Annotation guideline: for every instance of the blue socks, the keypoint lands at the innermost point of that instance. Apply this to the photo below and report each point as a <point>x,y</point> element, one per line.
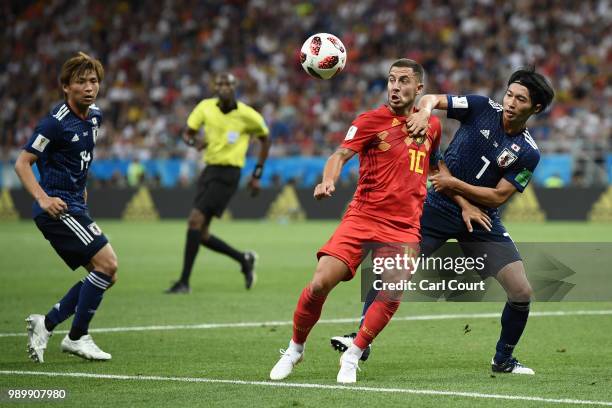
<point>513,322</point>
<point>64,308</point>
<point>90,297</point>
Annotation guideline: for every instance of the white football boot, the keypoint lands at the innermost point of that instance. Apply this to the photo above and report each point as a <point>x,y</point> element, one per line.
<point>38,337</point>
<point>349,364</point>
<point>289,359</point>
<point>84,348</point>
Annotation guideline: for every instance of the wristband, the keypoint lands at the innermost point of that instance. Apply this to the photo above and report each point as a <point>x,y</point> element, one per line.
<point>258,171</point>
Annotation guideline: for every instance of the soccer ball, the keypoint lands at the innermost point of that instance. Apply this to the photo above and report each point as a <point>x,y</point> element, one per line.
<point>323,55</point>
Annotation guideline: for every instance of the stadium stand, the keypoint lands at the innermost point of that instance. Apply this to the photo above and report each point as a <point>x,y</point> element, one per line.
<point>159,61</point>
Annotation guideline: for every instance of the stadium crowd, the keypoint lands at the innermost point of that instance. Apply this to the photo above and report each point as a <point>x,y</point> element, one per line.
<point>160,58</point>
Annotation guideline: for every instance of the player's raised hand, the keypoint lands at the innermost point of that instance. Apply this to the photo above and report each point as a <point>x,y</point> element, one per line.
<point>324,189</point>
<point>471,213</point>
<point>53,206</point>
<point>418,123</point>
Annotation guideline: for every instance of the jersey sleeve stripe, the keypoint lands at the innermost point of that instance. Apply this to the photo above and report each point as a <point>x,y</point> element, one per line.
<point>530,140</point>
<point>62,112</point>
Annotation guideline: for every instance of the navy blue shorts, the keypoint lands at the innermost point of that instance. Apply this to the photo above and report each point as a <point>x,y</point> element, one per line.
<point>437,227</point>
<point>75,237</point>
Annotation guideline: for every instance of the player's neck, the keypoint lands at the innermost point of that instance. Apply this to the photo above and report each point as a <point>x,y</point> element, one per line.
<point>80,110</point>
<point>514,127</point>
<point>403,111</point>
<point>228,105</point>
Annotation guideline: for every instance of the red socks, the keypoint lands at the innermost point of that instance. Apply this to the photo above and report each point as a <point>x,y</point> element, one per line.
<point>376,318</point>
<point>308,311</point>
<point>306,315</point>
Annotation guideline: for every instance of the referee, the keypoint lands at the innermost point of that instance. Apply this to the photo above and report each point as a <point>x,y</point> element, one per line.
<point>228,125</point>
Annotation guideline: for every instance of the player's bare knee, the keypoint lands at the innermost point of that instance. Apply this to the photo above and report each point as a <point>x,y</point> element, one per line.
<point>108,265</point>
<point>114,279</point>
<point>319,287</point>
<point>524,293</point>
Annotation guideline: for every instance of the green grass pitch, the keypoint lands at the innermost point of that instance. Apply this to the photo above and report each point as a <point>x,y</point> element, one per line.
<point>571,354</point>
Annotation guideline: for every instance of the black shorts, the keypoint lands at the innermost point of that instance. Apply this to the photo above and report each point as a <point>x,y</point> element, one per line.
<point>216,186</point>
<point>437,227</point>
<point>75,237</point>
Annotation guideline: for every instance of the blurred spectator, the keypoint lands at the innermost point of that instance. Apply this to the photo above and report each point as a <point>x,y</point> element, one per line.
<point>160,59</point>
<point>135,173</point>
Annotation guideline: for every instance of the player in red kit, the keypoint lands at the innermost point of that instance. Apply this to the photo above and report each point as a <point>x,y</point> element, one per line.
<point>385,210</point>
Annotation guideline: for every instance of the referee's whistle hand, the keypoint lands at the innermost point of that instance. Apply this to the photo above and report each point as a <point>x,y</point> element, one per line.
<point>254,186</point>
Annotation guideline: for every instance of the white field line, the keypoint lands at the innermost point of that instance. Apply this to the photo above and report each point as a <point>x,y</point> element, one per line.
<point>205,326</point>
<point>310,386</point>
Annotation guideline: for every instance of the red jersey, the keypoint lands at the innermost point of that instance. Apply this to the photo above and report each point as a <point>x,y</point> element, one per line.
<point>393,165</point>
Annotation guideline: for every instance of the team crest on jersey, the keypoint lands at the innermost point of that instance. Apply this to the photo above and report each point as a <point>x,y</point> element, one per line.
<point>93,227</point>
<point>506,158</point>
<point>419,140</point>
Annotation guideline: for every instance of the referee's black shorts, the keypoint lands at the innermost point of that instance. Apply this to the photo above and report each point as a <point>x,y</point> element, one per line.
<point>216,186</point>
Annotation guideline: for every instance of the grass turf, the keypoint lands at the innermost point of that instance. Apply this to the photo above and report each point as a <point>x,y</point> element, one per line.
<point>569,353</point>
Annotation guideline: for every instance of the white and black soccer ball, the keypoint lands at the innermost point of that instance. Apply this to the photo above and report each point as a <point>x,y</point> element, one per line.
<point>323,55</point>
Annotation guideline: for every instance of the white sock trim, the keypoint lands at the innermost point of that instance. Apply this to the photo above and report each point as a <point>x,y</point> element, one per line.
<point>293,346</point>
<point>354,350</point>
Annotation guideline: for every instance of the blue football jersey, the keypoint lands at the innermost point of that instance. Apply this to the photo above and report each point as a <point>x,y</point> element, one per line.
<point>481,153</point>
<point>64,144</point>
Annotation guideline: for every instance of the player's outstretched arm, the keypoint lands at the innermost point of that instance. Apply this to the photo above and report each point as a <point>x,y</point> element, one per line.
<point>23,167</point>
<point>331,172</point>
<point>418,122</point>
<point>489,197</point>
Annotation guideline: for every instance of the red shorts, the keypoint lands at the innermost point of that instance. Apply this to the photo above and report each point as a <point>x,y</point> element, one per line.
<point>357,229</point>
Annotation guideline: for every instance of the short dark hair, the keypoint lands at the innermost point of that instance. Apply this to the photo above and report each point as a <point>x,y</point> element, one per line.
<point>540,89</point>
<point>408,63</point>
<point>78,65</point>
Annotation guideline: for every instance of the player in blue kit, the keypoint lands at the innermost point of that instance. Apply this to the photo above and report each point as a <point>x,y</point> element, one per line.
<point>492,155</point>
<point>62,147</point>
